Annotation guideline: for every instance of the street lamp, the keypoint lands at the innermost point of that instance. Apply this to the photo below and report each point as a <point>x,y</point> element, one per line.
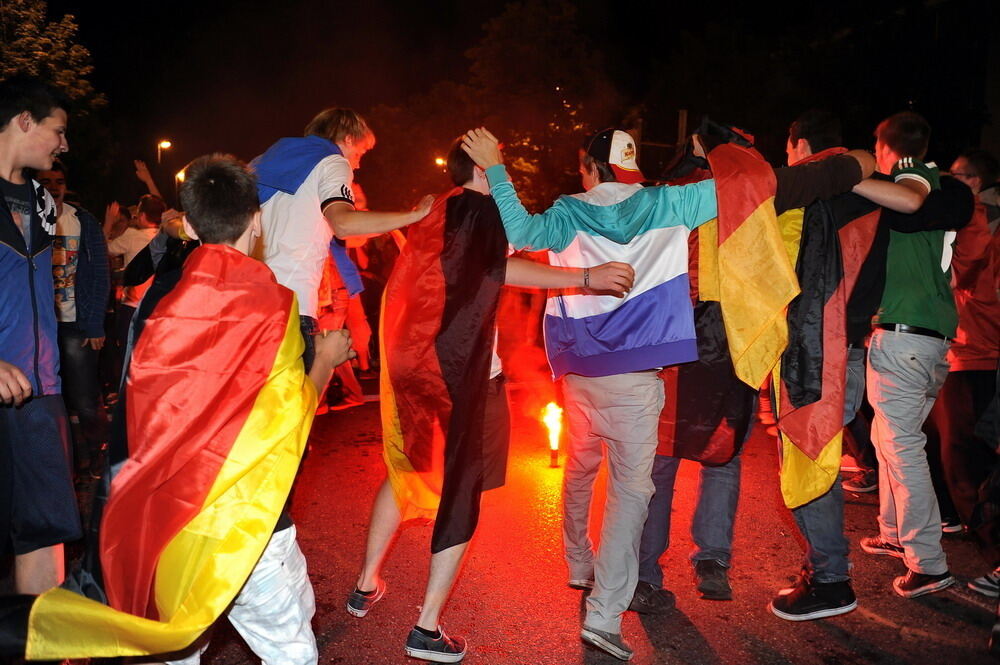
<point>160,147</point>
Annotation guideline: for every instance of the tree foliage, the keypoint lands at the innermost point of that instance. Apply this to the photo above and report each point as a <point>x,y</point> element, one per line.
<point>533,80</point>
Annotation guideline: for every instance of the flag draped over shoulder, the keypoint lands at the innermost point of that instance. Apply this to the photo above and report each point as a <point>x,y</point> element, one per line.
<point>827,241</point>
<point>219,410</point>
<point>743,264</point>
<point>438,328</point>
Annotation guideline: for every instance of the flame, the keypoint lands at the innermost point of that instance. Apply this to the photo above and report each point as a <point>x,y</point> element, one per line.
<point>552,417</point>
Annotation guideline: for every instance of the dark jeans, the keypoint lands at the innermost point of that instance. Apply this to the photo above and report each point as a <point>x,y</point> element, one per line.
<point>712,526</point>
<point>78,367</point>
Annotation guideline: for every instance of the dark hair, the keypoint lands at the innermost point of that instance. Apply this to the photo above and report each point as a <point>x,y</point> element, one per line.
<point>984,164</point>
<point>335,124</point>
<point>153,207</point>
<point>604,171</point>
<point>26,93</point>
<point>460,165</point>
<point>219,197</point>
<point>57,165</point>
<point>906,133</point>
<point>820,128</point>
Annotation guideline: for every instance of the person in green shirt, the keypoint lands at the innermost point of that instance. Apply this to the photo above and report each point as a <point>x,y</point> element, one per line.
<point>906,364</point>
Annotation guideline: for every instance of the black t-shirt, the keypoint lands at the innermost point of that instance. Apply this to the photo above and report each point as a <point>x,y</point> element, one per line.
<point>18,198</point>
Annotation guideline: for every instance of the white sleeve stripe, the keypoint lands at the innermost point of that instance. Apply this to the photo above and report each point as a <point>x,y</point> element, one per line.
<point>913,176</point>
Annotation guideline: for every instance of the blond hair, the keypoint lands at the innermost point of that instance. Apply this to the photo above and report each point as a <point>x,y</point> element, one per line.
<point>336,124</point>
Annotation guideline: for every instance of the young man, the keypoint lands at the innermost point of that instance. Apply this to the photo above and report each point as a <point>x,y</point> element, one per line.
<point>80,256</point>
<point>907,365</point>
<point>444,408</point>
<point>38,510</point>
<point>306,198</point>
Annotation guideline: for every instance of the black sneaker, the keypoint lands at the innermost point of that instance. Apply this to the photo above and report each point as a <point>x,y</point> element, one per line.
<point>358,602</point>
<point>610,643</point>
<point>988,584</point>
<point>914,584</point>
<point>809,600</point>
<point>650,600</point>
<point>951,525</point>
<point>440,649</point>
<point>712,580</point>
<point>861,482</point>
<point>875,545</point>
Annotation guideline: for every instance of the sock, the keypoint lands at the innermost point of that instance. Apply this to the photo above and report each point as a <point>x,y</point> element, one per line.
<point>433,634</point>
<point>365,593</point>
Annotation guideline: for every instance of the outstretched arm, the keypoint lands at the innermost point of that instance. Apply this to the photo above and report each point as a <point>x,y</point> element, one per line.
<point>906,196</point>
<point>614,277</point>
<point>345,221</point>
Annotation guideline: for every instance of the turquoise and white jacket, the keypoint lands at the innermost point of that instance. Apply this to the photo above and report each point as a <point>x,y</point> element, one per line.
<point>653,325</point>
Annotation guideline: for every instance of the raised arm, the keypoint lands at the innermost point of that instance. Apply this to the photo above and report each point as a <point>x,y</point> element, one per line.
<point>612,277</point>
<point>552,229</point>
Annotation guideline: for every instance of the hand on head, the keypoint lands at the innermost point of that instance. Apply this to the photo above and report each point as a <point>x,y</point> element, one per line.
<point>482,147</point>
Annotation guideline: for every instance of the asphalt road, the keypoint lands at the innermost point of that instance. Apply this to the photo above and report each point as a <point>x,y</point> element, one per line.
<point>512,603</point>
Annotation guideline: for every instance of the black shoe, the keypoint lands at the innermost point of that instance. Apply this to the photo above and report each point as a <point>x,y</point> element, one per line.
<point>951,525</point>
<point>875,545</point>
<point>650,600</point>
<point>914,584</point>
<point>809,600</point>
<point>442,649</point>
<point>358,602</point>
<point>712,580</point>
<point>610,643</point>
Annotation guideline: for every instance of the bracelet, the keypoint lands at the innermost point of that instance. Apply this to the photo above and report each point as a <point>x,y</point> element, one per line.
<point>586,277</point>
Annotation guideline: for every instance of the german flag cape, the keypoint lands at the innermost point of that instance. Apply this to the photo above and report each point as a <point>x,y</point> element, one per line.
<point>743,263</point>
<point>827,241</point>
<point>438,323</point>
<point>219,409</point>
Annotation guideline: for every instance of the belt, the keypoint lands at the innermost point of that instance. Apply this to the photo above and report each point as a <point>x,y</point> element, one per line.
<point>913,330</point>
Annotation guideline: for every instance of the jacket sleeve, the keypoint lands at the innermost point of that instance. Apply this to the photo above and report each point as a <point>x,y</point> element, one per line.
<point>552,229</point>
<point>949,208</point>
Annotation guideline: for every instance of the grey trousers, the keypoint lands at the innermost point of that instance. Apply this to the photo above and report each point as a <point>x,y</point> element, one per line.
<point>618,414</point>
<point>905,372</point>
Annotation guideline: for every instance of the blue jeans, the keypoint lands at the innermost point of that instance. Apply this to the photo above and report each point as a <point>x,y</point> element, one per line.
<point>821,521</point>
<point>712,526</point>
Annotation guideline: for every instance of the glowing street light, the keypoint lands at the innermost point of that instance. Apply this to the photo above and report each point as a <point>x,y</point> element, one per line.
<point>439,161</point>
<point>179,176</point>
<point>160,147</point>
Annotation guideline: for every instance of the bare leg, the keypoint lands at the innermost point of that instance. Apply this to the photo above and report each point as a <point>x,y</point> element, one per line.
<point>444,570</point>
<point>381,529</point>
<point>38,571</point>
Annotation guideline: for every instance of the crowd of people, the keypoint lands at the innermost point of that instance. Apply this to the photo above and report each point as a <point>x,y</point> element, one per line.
<point>848,300</point>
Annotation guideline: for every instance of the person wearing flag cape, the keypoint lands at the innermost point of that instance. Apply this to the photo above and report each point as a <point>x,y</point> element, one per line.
<point>219,410</point>
<point>444,410</point>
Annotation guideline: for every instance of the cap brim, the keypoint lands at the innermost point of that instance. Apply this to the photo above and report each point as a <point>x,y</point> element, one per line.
<point>627,176</point>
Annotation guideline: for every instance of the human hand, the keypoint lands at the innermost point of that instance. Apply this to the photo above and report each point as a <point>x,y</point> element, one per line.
<point>111,214</point>
<point>482,147</point>
<point>142,171</point>
<point>697,147</point>
<point>96,343</point>
<point>423,208</point>
<point>334,347</point>
<point>14,385</point>
<point>613,276</point>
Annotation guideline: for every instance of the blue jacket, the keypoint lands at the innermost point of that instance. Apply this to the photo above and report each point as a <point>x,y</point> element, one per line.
<point>27,296</point>
<point>93,276</point>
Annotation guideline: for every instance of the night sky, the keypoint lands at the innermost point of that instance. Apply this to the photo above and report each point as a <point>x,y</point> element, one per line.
<point>234,76</point>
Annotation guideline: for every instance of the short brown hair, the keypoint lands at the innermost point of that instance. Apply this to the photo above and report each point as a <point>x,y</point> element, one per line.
<point>152,206</point>
<point>219,197</point>
<point>335,124</point>
<point>906,133</point>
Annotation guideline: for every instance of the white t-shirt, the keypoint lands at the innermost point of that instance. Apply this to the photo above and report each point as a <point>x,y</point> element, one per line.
<point>296,235</point>
<point>65,253</point>
<point>128,244</point>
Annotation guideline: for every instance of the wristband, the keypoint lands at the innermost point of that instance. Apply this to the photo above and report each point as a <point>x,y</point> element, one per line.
<point>586,277</point>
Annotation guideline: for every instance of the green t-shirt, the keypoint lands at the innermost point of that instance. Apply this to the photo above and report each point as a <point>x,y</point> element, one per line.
<point>918,268</point>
